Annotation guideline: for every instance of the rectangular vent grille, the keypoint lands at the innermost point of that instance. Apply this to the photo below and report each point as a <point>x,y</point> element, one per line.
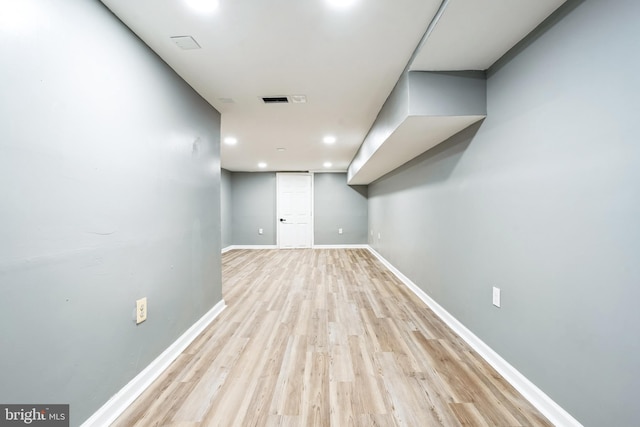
<point>275,99</point>
<point>185,42</point>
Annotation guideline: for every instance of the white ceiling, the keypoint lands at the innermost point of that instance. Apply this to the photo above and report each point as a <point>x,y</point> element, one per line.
<point>473,34</point>
<point>345,60</point>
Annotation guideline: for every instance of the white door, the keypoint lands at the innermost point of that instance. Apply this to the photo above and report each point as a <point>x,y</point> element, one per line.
<point>294,210</point>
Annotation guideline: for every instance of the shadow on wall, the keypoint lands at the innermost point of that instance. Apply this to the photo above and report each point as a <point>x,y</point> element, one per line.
<point>440,160</point>
<point>363,190</point>
<point>546,25</point>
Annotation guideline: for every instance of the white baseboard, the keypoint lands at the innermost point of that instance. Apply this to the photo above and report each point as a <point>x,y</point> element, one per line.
<point>530,391</point>
<point>354,246</point>
<point>232,247</point>
<point>115,406</point>
<point>348,246</point>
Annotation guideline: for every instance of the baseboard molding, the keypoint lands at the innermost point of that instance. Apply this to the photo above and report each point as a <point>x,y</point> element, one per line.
<point>530,391</point>
<point>115,406</point>
<point>348,246</point>
<point>353,246</point>
<point>256,247</point>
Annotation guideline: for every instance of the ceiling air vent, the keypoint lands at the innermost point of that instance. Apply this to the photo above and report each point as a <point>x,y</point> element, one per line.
<point>275,99</point>
<point>185,42</point>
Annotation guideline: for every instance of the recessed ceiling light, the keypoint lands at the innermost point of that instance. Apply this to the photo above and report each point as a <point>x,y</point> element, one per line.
<point>327,164</point>
<point>262,165</point>
<point>329,139</point>
<point>341,4</point>
<point>280,149</point>
<point>203,6</point>
<point>230,140</point>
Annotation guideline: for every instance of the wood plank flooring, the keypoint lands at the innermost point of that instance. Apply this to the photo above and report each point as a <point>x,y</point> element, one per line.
<point>326,337</point>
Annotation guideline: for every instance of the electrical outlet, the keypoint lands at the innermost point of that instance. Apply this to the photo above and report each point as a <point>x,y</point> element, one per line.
<point>141,310</point>
<point>339,230</point>
<point>260,230</point>
<point>496,297</point>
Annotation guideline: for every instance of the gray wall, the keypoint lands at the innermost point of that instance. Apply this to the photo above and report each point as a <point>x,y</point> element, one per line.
<point>337,205</point>
<point>452,93</point>
<point>253,200</point>
<point>253,206</point>
<point>541,200</point>
<point>109,189</point>
<point>225,208</point>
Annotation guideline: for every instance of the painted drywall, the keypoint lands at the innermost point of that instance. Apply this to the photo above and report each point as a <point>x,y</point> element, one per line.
<point>338,205</point>
<point>253,206</point>
<point>391,115</point>
<point>438,104</point>
<point>440,93</point>
<point>225,208</point>
<point>541,200</point>
<point>110,191</point>
<point>253,199</point>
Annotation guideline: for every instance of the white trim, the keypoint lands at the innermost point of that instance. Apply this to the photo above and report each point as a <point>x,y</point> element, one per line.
<point>312,196</point>
<point>250,247</point>
<point>348,246</point>
<point>529,390</point>
<point>232,247</point>
<point>119,402</point>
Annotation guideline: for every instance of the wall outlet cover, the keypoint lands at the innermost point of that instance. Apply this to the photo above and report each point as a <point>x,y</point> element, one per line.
<point>141,310</point>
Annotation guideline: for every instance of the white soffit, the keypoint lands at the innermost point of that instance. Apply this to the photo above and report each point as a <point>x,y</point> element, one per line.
<point>474,34</point>
<point>425,109</point>
<point>413,137</point>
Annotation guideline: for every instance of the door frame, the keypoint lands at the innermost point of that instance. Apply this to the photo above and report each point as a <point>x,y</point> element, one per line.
<point>312,214</point>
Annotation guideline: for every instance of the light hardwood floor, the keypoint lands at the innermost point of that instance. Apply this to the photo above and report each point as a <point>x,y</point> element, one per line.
<point>326,337</point>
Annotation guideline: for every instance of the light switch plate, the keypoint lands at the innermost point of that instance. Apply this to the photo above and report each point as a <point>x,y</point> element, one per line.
<point>496,297</point>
